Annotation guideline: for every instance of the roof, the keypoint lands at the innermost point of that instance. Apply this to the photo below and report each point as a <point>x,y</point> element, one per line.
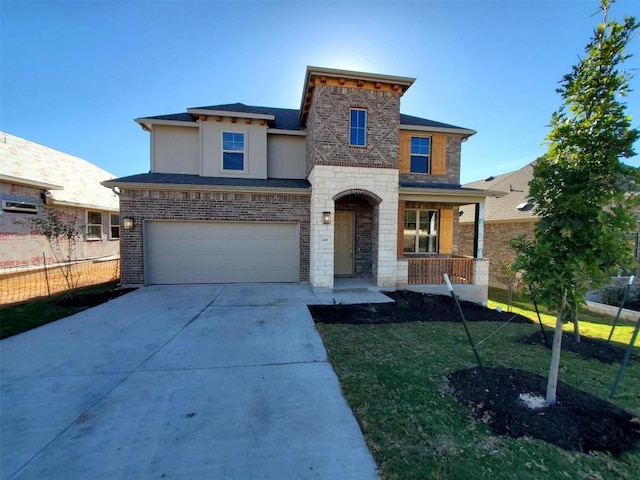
<point>516,186</point>
<point>71,180</point>
<point>285,118</point>
<point>168,179</point>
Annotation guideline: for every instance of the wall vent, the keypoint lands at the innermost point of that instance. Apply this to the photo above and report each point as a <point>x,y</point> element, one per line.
<point>22,207</point>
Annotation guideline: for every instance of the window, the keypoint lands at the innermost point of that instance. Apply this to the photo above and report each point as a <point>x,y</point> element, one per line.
<point>358,127</point>
<point>94,226</point>
<point>232,151</point>
<point>420,231</point>
<point>114,221</point>
<point>420,152</point>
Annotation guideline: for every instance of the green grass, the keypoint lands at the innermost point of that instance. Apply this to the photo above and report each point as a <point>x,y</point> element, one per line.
<point>394,379</point>
<point>20,317</point>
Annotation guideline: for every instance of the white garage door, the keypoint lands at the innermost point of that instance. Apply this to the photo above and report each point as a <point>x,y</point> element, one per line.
<point>208,252</point>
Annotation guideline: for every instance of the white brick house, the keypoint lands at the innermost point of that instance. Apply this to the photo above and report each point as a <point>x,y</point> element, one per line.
<point>345,186</point>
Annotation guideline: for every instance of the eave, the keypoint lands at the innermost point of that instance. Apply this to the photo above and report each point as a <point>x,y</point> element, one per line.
<point>447,195</point>
<point>373,81</point>
<point>204,188</point>
<point>463,132</point>
<point>230,114</point>
<point>29,183</point>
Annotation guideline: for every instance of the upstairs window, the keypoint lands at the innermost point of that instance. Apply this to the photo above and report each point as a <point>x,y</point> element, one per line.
<point>420,154</point>
<point>114,221</point>
<point>358,127</point>
<point>232,151</point>
<point>420,231</point>
<point>94,225</point>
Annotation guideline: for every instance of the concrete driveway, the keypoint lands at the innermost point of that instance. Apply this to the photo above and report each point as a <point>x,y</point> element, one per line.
<point>180,382</point>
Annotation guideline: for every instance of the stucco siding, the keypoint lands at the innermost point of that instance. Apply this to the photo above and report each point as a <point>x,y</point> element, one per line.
<point>175,150</point>
<point>285,156</point>
<point>255,154</point>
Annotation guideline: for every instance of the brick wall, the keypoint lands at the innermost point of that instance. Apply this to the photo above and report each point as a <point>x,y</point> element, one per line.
<point>496,245</point>
<point>328,128</point>
<point>363,248</point>
<point>206,206</point>
<point>452,164</point>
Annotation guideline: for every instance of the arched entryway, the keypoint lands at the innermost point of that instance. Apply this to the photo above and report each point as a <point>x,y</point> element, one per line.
<point>356,234</point>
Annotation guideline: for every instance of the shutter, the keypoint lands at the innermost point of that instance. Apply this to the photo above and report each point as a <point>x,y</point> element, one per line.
<point>446,231</point>
<point>404,164</point>
<point>438,154</point>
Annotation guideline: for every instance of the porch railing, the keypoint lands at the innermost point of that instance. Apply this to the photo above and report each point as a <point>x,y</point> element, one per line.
<point>432,270</point>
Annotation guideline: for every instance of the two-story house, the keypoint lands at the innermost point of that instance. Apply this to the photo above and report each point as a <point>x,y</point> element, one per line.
<point>346,186</point>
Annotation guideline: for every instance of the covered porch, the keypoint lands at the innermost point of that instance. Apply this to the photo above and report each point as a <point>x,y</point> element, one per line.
<point>427,244</point>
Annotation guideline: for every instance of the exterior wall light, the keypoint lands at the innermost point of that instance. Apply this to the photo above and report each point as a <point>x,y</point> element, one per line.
<point>127,223</point>
<point>326,218</point>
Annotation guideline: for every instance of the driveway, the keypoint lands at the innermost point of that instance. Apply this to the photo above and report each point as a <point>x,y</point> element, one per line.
<point>180,382</point>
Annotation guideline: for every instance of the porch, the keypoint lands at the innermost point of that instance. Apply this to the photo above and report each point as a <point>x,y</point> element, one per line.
<point>431,270</point>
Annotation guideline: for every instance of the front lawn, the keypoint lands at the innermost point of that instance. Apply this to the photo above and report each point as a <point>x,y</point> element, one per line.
<point>394,377</point>
<point>20,317</point>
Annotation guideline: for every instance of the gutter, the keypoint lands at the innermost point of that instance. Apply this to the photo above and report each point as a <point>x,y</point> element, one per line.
<point>200,188</point>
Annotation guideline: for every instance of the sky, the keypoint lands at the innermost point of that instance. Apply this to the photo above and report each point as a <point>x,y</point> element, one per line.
<point>74,74</point>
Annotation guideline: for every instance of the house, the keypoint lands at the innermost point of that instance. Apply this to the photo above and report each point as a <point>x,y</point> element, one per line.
<point>507,217</point>
<point>33,176</point>
<point>344,186</point>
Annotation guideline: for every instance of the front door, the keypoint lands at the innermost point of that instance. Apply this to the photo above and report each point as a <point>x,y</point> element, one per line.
<point>343,244</point>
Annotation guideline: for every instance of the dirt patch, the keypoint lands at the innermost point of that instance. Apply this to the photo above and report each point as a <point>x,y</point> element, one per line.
<point>578,421</point>
<point>92,299</point>
<point>589,348</point>
<point>409,307</point>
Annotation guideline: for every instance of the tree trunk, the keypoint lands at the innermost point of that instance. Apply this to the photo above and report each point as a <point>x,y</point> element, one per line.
<point>576,325</point>
<point>556,348</point>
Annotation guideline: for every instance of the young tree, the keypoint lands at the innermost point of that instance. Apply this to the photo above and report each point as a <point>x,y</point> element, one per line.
<point>62,232</point>
<point>580,187</point>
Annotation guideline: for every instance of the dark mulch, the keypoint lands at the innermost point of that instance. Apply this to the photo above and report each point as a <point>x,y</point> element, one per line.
<point>409,307</point>
<point>589,348</point>
<point>578,421</point>
<point>92,299</point>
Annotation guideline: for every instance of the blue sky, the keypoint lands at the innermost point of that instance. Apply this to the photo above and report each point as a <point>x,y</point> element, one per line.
<point>74,75</point>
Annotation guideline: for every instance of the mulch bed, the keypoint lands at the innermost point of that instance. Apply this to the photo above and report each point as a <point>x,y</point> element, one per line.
<point>578,421</point>
<point>588,348</point>
<point>409,307</point>
<point>93,299</point>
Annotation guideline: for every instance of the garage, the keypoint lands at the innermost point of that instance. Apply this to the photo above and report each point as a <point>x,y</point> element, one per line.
<point>221,252</point>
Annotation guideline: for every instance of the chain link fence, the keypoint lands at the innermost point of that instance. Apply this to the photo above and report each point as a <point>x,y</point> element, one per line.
<point>18,284</point>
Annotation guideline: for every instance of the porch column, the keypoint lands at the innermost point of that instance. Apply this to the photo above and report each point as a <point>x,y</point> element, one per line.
<point>478,231</point>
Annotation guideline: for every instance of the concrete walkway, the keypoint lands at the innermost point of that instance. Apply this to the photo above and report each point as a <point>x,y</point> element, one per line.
<point>180,382</point>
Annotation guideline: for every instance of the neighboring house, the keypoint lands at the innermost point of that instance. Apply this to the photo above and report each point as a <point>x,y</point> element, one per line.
<point>33,176</point>
<point>505,218</point>
<point>345,186</point>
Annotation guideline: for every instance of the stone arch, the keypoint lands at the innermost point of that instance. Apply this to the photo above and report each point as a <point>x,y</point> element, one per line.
<point>370,196</point>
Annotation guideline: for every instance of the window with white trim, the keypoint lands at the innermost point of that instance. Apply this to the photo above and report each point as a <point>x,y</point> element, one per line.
<point>233,151</point>
<point>114,223</point>
<point>94,225</point>
<point>420,154</point>
<point>358,127</point>
<point>420,231</point>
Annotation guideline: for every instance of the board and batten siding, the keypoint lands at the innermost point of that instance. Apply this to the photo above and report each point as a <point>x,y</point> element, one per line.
<point>438,157</point>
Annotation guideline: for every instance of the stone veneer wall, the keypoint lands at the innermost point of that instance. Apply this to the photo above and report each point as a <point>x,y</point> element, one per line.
<point>452,176</point>
<point>206,206</point>
<point>496,245</point>
<point>328,128</point>
<point>329,181</point>
<point>363,248</point>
